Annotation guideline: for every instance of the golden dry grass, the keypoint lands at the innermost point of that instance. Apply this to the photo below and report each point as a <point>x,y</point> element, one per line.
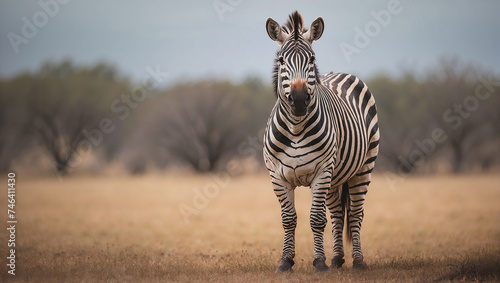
<point>130,229</point>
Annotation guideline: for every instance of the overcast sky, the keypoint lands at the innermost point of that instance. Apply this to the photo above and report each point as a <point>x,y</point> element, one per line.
<point>227,38</point>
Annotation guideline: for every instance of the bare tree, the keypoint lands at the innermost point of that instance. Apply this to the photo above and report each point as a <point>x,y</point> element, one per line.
<point>445,100</point>
<point>456,108</point>
<point>65,104</point>
<point>60,136</point>
<point>202,124</point>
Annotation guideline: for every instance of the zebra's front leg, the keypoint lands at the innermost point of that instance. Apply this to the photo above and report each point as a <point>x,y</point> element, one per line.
<point>318,219</point>
<point>358,187</point>
<point>286,197</point>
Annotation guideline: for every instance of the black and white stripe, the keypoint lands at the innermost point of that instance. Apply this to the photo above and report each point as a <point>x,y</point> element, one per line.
<point>322,133</point>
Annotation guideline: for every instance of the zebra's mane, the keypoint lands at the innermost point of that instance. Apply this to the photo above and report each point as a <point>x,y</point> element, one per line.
<point>295,24</point>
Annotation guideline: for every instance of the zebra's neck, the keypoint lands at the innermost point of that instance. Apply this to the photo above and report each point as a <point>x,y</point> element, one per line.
<point>297,124</point>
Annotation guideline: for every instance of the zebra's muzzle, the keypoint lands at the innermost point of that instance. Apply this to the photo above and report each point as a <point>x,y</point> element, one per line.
<point>299,100</point>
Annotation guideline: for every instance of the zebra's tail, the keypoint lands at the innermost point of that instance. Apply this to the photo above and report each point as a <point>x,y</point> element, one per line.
<point>345,202</point>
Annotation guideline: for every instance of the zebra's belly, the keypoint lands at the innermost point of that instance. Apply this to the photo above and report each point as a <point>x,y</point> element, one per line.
<point>299,171</point>
<point>301,176</point>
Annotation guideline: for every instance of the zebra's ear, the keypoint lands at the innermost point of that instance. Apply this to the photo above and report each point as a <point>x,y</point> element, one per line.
<point>316,30</point>
<point>274,31</point>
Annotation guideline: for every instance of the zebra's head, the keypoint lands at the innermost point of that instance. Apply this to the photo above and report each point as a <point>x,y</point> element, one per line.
<point>295,73</point>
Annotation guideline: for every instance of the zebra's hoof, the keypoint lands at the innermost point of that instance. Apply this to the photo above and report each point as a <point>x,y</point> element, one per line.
<point>359,265</point>
<point>285,266</point>
<point>337,262</point>
<point>320,265</point>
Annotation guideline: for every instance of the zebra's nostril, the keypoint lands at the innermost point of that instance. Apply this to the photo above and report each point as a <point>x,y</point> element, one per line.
<point>308,100</point>
<point>290,100</point>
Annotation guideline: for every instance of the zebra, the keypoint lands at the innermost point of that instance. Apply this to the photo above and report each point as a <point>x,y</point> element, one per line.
<point>322,133</point>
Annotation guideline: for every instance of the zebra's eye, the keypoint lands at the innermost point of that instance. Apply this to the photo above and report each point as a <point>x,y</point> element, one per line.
<point>281,60</point>
<point>312,59</point>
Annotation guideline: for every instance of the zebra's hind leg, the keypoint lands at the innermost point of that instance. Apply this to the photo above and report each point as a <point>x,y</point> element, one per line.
<point>286,198</point>
<point>358,187</point>
<point>334,204</point>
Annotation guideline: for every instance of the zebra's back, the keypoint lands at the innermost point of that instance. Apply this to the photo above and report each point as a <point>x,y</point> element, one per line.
<point>356,94</point>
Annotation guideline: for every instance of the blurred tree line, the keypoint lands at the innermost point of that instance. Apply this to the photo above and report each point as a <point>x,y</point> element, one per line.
<point>446,121</point>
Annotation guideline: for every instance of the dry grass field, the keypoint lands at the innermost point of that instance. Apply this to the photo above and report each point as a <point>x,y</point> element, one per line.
<point>186,228</point>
